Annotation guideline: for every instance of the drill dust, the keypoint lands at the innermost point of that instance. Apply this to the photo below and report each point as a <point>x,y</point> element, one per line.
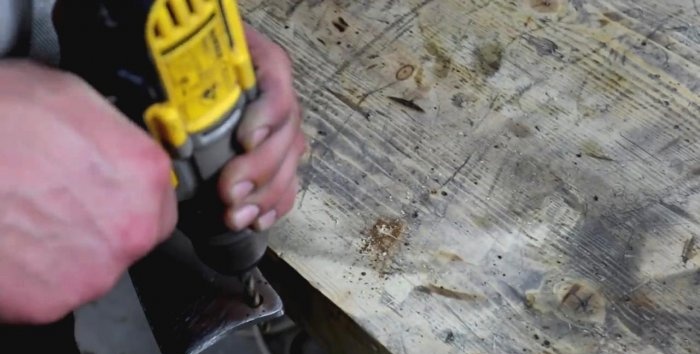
<point>382,241</point>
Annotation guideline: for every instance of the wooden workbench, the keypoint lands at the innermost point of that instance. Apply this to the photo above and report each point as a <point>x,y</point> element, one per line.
<point>497,176</point>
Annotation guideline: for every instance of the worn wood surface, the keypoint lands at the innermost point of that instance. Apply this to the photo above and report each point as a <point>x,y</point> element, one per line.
<point>499,176</point>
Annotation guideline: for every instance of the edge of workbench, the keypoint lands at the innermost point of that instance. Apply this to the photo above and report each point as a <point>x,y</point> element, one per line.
<point>335,330</point>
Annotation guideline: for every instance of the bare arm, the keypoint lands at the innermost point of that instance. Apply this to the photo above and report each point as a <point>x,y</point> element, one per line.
<point>83,194</point>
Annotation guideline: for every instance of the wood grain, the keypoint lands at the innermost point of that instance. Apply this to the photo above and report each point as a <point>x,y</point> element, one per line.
<point>539,160</point>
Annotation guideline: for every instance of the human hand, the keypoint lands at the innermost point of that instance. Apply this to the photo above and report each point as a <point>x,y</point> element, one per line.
<point>259,186</point>
<point>83,194</point>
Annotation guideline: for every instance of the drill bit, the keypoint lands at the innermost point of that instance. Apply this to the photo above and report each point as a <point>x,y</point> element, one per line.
<point>252,297</point>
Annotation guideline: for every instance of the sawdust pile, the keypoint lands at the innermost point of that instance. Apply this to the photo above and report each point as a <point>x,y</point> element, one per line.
<point>382,240</point>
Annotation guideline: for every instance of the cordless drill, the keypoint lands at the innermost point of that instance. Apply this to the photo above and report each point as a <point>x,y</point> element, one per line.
<point>181,70</point>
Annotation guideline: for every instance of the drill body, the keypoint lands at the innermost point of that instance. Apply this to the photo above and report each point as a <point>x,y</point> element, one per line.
<point>180,69</point>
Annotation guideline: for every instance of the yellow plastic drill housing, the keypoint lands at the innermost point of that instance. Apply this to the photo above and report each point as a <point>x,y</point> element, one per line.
<point>200,53</point>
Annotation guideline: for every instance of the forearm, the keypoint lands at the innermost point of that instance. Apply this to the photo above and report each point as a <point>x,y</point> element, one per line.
<point>83,193</point>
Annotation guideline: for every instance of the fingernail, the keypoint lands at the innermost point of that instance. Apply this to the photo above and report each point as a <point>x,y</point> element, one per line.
<point>257,137</point>
<point>241,190</point>
<point>245,216</point>
<point>266,221</point>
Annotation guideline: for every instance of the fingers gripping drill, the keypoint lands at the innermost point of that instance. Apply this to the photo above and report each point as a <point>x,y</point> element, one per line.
<point>181,70</point>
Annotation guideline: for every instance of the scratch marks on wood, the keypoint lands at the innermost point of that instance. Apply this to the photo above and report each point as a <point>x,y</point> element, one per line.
<point>639,147</point>
<point>496,178</point>
<point>489,110</point>
<point>449,256</point>
<point>599,157</point>
<point>372,92</point>
<point>662,23</point>
<point>516,294</point>
<point>409,16</point>
<point>543,46</point>
<point>613,16</point>
<point>348,102</point>
<point>695,5</point>
<point>457,171</point>
<point>688,250</point>
<point>679,211</point>
<point>452,294</point>
<point>306,173</point>
<point>294,7</point>
<point>398,148</point>
<point>407,103</point>
<point>669,145</point>
<point>338,131</point>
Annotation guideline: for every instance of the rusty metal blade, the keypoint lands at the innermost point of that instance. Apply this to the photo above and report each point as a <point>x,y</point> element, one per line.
<point>189,307</point>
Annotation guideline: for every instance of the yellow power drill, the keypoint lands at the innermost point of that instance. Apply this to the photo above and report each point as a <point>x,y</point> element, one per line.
<point>181,70</point>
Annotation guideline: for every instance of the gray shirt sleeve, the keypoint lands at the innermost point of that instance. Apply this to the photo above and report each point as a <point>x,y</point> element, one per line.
<point>13,15</point>
<point>28,23</point>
